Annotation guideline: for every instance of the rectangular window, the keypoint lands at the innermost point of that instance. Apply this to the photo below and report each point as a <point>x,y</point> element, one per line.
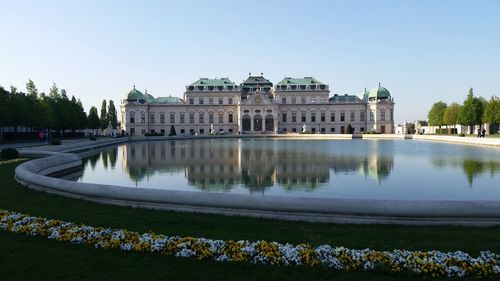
<point>332,117</point>
<point>313,99</point>
<point>303,117</point>
<point>151,118</point>
<point>303,100</point>
<point>221,118</point>
<point>342,116</point>
<point>162,131</point>
<point>172,117</point>
<point>283,117</point>
<point>143,117</point>
<point>230,100</point>
<point>201,118</point>
<point>323,99</point>
<point>200,101</point>
<point>294,100</point>
<point>191,118</point>
<point>362,129</point>
<point>191,101</point>
<point>392,115</point>
<point>202,131</point>
<point>323,117</point>
<point>353,116</point>
<point>230,117</point>
<point>182,118</point>
<point>143,131</point>
<point>162,117</point>
<point>362,115</point>
<point>382,115</point>
<point>211,118</point>
<point>210,100</point>
<point>294,117</point>
<point>313,116</point>
<point>371,115</point>
<point>132,118</point>
<point>183,131</point>
<point>332,130</point>
<point>220,100</point>
<point>231,130</point>
<point>283,100</point>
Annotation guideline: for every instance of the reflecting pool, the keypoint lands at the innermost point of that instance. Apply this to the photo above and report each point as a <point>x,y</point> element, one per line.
<point>364,169</point>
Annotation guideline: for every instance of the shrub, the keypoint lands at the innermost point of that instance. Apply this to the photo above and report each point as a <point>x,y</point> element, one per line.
<point>461,135</point>
<point>55,142</point>
<point>92,138</point>
<point>10,153</point>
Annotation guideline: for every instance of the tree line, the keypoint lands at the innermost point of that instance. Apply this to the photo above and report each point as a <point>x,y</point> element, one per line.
<point>473,111</point>
<point>52,111</point>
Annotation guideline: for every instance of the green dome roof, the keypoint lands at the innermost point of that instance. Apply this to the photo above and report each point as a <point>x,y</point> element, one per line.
<point>135,95</point>
<point>379,93</point>
<point>149,98</point>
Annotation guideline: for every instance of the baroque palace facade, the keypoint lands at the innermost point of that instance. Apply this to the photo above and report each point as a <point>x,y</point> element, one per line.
<point>294,105</point>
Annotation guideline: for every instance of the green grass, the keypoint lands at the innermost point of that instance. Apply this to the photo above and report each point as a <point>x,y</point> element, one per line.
<point>24,258</point>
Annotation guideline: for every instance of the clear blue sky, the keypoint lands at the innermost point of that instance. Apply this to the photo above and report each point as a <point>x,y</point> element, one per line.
<point>422,51</point>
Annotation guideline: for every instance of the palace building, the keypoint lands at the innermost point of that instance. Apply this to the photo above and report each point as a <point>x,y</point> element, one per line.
<point>256,106</point>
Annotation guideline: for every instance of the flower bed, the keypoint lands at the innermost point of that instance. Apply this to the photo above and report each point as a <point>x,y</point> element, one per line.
<point>434,263</point>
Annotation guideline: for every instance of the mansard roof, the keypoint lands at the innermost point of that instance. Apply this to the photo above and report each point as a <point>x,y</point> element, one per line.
<point>345,99</point>
<point>300,81</point>
<point>213,82</point>
<point>168,100</point>
<point>256,80</point>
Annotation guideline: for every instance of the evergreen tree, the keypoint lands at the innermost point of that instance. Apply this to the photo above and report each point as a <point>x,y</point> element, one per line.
<point>93,119</point>
<point>436,114</point>
<point>112,114</point>
<point>349,129</point>
<point>31,88</point>
<point>471,112</point>
<point>172,131</point>
<point>104,115</point>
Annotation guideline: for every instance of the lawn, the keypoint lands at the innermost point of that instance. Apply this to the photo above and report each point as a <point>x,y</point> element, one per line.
<point>24,258</point>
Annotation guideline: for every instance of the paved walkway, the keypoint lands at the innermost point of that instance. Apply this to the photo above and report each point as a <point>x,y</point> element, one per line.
<point>41,145</point>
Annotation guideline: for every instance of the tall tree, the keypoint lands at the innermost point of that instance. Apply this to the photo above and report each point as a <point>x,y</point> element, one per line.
<point>5,110</point>
<point>112,117</point>
<point>491,113</point>
<point>471,112</point>
<point>450,117</point>
<point>436,114</point>
<point>93,118</point>
<point>54,91</point>
<point>31,88</point>
<point>104,115</point>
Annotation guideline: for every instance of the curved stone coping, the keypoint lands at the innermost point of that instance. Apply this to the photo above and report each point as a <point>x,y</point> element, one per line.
<point>460,140</point>
<point>493,142</point>
<point>34,174</point>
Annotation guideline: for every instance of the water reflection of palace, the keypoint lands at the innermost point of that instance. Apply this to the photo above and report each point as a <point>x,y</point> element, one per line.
<point>223,164</point>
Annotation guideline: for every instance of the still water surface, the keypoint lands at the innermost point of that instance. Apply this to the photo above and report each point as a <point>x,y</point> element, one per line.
<point>365,169</point>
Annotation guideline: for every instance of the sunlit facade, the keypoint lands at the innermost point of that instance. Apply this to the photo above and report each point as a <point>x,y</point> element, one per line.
<point>256,106</point>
